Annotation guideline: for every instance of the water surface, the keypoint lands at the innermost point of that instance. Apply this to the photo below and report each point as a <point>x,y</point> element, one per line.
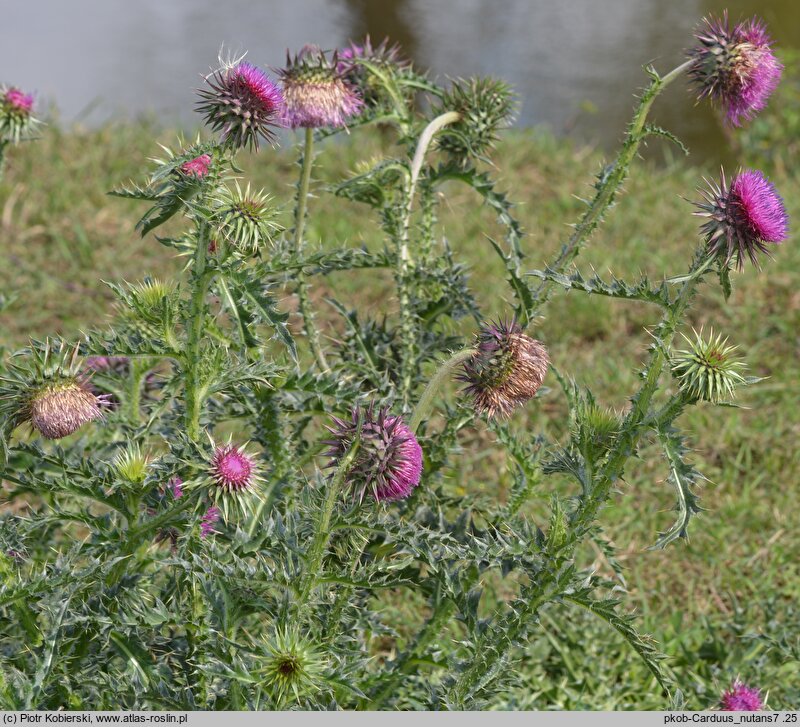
<point>575,63</point>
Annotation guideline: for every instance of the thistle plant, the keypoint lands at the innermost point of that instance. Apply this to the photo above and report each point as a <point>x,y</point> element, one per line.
<point>224,575</point>
<point>17,121</point>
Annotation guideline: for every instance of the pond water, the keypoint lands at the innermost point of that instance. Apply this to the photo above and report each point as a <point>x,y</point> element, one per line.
<point>574,63</point>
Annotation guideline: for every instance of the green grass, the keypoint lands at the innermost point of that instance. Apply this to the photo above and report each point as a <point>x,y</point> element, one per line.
<point>61,236</point>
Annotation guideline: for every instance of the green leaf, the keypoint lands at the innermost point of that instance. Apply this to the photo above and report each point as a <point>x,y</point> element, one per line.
<point>725,281</point>
<point>683,478</point>
<point>253,292</point>
<point>617,288</point>
<point>644,646</point>
<point>137,658</point>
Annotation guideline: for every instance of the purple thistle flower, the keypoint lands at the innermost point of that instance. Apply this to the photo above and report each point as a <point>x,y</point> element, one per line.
<point>231,469</point>
<point>243,103</point>
<point>388,463</point>
<point>741,698</point>
<point>197,167</point>
<point>16,100</point>
<point>316,94</point>
<point>176,486</point>
<point>207,522</point>
<point>507,369</point>
<point>743,217</point>
<point>735,67</point>
<point>60,408</point>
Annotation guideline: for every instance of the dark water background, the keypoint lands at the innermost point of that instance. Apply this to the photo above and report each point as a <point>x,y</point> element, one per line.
<point>574,63</point>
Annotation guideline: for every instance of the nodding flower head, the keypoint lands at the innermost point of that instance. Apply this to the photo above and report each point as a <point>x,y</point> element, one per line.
<point>734,66</point>
<point>16,114</point>
<point>354,59</point>
<point>507,369</point>
<point>197,167</point>
<point>708,370</point>
<point>742,217</point>
<point>388,463</point>
<point>207,522</point>
<point>48,390</point>
<point>316,94</point>
<point>741,698</point>
<point>485,106</point>
<point>60,408</point>
<point>243,103</point>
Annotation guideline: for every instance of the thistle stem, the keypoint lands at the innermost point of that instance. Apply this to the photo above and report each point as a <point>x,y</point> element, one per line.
<point>322,534</point>
<point>3,145</point>
<point>304,302</point>
<point>404,261</point>
<point>426,400</point>
<point>201,280</point>
<point>611,184</point>
<point>549,586</point>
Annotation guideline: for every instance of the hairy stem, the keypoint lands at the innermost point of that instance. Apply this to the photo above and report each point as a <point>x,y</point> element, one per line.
<point>442,374</point>
<point>322,533</point>
<point>201,278</point>
<point>611,183</point>
<point>404,261</point>
<point>304,301</point>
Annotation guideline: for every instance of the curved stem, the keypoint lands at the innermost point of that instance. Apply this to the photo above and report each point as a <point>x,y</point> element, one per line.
<point>404,262</point>
<point>299,226</point>
<point>607,190</point>
<point>426,400</point>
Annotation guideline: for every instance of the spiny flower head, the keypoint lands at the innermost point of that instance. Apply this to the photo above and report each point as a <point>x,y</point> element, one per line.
<point>19,101</point>
<point>131,464</point>
<point>316,94</point>
<point>228,473</point>
<point>58,409</point>
<point>507,369</point>
<point>293,667</point>
<point>243,103</point>
<point>49,392</point>
<point>354,62</point>
<point>741,698</point>
<point>742,217</point>
<point>16,114</point>
<point>594,428</point>
<point>388,463</point>
<point>207,522</point>
<point>485,106</point>
<point>708,370</point>
<point>197,167</point>
<point>245,219</point>
<point>232,469</point>
<point>734,66</point>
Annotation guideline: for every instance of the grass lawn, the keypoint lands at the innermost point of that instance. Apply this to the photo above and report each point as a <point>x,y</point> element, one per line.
<point>61,236</point>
